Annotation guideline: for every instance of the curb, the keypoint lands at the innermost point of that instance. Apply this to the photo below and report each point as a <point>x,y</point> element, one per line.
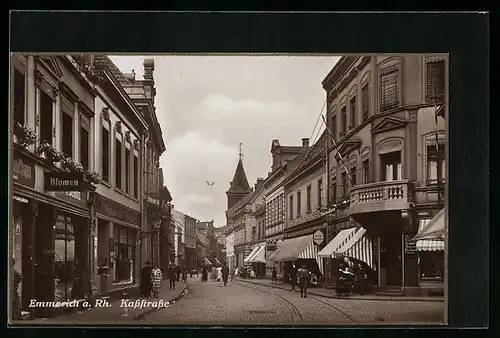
<point>153,310</point>
<point>399,298</point>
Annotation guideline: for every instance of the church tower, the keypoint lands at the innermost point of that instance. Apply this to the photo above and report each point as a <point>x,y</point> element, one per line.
<point>239,186</point>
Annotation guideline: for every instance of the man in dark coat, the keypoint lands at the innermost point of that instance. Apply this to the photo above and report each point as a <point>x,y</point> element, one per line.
<point>304,280</point>
<point>225,273</point>
<point>172,276</point>
<point>146,282</point>
<point>178,272</point>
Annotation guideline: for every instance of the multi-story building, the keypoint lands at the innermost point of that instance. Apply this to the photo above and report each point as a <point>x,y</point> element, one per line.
<point>229,246</point>
<point>285,158</point>
<point>185,242</point>
<point>386,160</point>
<point>179,240</point>
<point>54,116</point>
<point>304,188</point>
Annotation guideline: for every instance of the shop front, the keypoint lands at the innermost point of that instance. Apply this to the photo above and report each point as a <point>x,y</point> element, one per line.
<point>271,246</point>
<point>118,251</point>
<point>258,260</point>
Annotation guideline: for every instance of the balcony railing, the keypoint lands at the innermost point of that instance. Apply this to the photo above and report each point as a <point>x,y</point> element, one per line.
<point>379,196</point>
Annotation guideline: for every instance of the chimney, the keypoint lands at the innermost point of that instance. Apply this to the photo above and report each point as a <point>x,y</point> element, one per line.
<point>259,184</point>
<point>305,142</point>
<point>149,67</point>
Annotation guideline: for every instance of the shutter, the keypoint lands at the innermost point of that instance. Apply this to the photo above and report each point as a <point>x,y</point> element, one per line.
<point>389,88</point>
<point>19,96</point>
<point>435,81</point>
<point>365,97</point>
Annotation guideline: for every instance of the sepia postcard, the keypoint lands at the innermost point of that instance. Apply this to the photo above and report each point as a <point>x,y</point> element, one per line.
<point>228,189</point>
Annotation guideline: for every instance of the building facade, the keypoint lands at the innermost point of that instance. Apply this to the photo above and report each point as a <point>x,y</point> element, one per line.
<point>386,157</point>
<point>190,241</point>
<point>229,246</point>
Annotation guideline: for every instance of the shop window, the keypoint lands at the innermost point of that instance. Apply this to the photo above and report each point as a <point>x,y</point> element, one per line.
<point>124,239</point>
<point>69,250</point>
<point>118,163</point>
<point>127,170</point>
<point>136,176</point>
<point>46,119</point>
<point>67,135</point>
<point>391,166</point>
<point>105,154</point>
<point>436,163</point>
<point>19,97</point>
<point>389,87</point>
<point>431,266</point>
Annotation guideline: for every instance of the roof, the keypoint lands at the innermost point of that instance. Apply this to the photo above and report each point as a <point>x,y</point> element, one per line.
<point>239,184</point>
<point>202,236</point>
<point>105,61</point>
<point>241,202</point>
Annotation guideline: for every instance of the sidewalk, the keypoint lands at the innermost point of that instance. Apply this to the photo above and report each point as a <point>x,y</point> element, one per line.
<point>114,312</point>
<point>322,292</point>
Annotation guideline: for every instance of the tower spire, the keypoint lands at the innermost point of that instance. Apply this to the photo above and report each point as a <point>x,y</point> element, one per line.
<point>241,151</point>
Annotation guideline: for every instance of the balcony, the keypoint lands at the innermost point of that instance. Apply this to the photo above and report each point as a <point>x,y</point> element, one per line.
<point>380,196</point>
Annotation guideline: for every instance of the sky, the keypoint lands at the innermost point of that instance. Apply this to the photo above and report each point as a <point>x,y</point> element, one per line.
<point>208,105</point>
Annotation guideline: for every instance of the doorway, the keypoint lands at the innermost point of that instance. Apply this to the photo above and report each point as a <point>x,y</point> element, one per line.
<point>391,258</point>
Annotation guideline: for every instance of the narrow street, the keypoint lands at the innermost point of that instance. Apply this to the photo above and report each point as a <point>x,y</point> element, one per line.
<point>211,303</point>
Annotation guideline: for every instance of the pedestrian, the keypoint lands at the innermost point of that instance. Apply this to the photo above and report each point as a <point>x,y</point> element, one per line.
<point>361,279</point>
<point>304,280</point>
<point>156,277</point>
<point>178,272</point>
<point>219,274</point>
<point>293,276</point>
<point>172,276</point>
<point>16,303</point>
<point>225,273</point>
<point>146,280</point>
<point>184,274</point>
<point>274,275</point>
<point>213,276</point>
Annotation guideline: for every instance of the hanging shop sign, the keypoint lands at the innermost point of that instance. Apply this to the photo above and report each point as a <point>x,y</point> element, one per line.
<point>63,181</point>
<point>410,246</point>
<point>318,237</point>
<point>23,171</point>
<point>109,208</point>
<point>153,200</point>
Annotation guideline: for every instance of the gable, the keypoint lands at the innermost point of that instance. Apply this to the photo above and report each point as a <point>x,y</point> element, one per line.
<point>348,146</point>
<point>50,63</point>
<point>389,123</point>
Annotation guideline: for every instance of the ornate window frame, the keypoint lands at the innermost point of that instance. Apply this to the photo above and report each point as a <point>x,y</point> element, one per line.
<point>427,140</point>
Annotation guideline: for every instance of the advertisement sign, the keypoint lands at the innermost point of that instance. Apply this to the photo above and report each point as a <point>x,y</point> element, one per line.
<point>63,181</point>
<point>318,237</point>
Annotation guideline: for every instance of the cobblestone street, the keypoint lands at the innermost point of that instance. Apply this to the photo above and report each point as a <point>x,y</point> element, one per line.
<point>242,303</point>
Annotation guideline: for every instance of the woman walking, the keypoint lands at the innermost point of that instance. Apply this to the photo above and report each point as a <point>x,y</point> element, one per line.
<point>157,280</point>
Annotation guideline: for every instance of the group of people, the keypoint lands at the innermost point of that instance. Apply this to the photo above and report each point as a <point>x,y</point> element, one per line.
<point>351,278</point>
<point>152,278</point>
<point>303,275</point>
<point>216,274</point>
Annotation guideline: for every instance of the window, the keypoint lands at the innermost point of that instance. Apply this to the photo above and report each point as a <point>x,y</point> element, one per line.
<point>334,189</point>
<point>124,239</point>
<point>435,79</point>
<point>299,207</point>
<point>308,200</point>
<point>389,88</point>
<point>105,154</point>
<point>353,112</point>
<point>46,106</point>
<point>391,166</point>
<point>365,101</point>
<point>366,171</point>
<point>320,193</point>
<point>84,147</point>
<point>291,207</point>
<point>118,163</point>
<point>334,127</point>
<point>343,126</point>
<point>67,134</point>
<point>127,170</point>
<point>19,97</point>
<point>136,176</point>
<point>353,176</point>
<point>435,163</point>
<point>344,188</point>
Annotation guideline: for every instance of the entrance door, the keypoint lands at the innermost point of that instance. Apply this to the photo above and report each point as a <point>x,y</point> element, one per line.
<point>390,259</point>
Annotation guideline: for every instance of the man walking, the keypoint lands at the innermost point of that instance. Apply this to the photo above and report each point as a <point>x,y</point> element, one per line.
<point>225,273</point>
<point>172,276</point>
<point>304,280</point>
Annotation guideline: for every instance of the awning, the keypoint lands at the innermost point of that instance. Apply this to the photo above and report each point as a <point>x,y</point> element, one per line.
<point>254,251</point>
<point>207,261</point>
<point>432,229</point>
<point>291,249</point>
<point>260,255</point>
<point>430,245</point>
<point>358,246</point>
<point>341,238</point>
<point>217,261</point>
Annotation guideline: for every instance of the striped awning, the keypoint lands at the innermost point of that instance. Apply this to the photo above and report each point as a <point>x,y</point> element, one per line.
<point>341,238</point>
<point>358,246</point>
<point>311,252</point>
<point>290,249</point>
<point>217,261</point>
<point>431,228</point>
<point>260,255</point>
<point>254,251</point>
<point>430,245</point>
<point>207,261</point>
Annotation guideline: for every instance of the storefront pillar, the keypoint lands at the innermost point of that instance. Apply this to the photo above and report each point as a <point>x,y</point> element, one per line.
<point>28,255</point>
